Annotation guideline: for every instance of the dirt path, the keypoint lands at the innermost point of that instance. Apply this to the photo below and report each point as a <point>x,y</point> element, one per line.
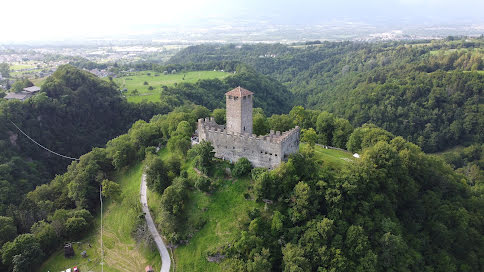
<point>165,256</point>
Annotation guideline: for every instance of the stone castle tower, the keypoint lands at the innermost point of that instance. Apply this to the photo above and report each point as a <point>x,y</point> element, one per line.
<point>236,140</point>
<point>239,110</point>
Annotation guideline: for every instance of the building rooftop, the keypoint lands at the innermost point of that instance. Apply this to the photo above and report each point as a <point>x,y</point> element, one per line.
<point>32,89</point>
<point>239,92</point>
<point>19,96</point>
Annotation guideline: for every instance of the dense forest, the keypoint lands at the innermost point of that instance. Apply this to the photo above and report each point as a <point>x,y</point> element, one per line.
<point>428,92</point>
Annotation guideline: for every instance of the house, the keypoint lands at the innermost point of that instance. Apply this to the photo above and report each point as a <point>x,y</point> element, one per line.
<point>149,268</point>
<point>32,89</point>
<point>23,95</point>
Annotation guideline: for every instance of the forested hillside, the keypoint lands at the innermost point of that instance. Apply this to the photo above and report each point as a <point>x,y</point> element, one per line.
<point>272,96</point>
<point>429,92</point>
<point>74,112</point>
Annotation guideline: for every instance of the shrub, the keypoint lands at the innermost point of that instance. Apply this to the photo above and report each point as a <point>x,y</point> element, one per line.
<point>202,183</point>
<point>242,167</point>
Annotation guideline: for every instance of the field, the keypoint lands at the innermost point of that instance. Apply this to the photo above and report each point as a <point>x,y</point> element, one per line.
<point>334,158</point>
<point>136,81</point>
<point>120,250</point>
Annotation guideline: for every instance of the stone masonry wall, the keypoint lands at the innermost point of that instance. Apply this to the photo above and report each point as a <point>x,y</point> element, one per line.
<point>239,114</point>
<point>262,151</point>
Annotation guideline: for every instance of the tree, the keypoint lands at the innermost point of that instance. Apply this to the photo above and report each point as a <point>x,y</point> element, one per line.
<point>25,246</point>
<point>277,223</point>
<point>309,136</point>
<point>19,85</point>
<point>325,127</point>
<point>156,174</point>
<point>260,124</point>
<point>219,116</point>
<point>45,234</point>
<point>281,122</point>
<point>299,115</point>
<point>8,231</point>
<point>183,129</point>
<point>5,70</point>
<point>179,144</point>
<point>242,167</point>
<point>204,156</point>
<point>111,189</point>
<point>260,262</point>
<point>294,260</point>
<point>300,202</point>
<point>173,198</point>
<point>342,131</point>
<point>75,227</point>
<point>202,183</point>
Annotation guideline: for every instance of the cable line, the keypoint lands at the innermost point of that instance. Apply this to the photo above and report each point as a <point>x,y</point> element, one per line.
<point>53,152</point>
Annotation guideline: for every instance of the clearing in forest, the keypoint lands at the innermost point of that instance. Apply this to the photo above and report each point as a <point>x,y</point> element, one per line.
<point>148,84</point>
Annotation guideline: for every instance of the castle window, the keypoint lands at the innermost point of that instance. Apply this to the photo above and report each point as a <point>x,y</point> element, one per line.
<point>230,97</point>
<point>244,128</point>
<point>275,155</point>
<point>236,98</point>
<point>270,154</point>
<point>245,97</point>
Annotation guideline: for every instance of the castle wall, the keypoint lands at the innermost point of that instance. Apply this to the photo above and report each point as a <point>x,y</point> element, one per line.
<point>262,151</point>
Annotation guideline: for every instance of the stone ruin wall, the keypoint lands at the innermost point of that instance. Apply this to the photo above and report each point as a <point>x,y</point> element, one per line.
<point>262,151</point>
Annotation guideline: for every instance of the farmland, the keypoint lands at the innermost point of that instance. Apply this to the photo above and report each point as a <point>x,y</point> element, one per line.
<point>147,85</point>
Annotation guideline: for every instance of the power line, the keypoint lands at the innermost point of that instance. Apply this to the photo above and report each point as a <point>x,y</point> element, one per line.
<point>53,152</point>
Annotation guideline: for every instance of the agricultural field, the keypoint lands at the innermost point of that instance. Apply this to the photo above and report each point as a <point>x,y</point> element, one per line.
<point>121,252</point>
<point>147,85</point>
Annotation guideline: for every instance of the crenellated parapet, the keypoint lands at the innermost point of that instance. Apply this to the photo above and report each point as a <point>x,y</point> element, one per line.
<point>236,140</point>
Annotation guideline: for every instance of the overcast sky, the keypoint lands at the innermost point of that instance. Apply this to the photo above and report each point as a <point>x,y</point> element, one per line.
<point>23,20</point>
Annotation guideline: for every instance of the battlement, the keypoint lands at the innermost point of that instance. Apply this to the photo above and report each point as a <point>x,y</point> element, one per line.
<point>236,140</point>
<point>208,125</point>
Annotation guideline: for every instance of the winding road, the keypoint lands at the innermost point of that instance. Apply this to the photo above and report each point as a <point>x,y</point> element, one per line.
<point>165,256</point>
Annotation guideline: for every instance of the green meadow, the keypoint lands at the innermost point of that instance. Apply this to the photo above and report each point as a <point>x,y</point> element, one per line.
<point>136,81</point>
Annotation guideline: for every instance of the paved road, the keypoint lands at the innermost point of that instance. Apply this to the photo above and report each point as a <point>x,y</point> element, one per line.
<point>165,256</point>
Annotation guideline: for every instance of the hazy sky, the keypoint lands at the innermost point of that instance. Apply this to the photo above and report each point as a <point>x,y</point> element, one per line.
<point>23,20</point>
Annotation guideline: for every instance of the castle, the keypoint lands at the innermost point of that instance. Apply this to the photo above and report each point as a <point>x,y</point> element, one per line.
<point>236,139</point>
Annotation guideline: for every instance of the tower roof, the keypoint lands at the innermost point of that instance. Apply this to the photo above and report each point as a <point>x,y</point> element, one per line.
<point>239,92</point>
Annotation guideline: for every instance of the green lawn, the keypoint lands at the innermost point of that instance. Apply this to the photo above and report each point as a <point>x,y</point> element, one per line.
<point>221,212</point>
<point>120,250</point>
<point>156,80</point>
<point>331,157</point>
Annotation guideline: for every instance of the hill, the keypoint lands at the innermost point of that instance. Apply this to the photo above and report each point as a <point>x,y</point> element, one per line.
<point>74,112</point>
<point>322,210</point>
<point>408,88</point>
